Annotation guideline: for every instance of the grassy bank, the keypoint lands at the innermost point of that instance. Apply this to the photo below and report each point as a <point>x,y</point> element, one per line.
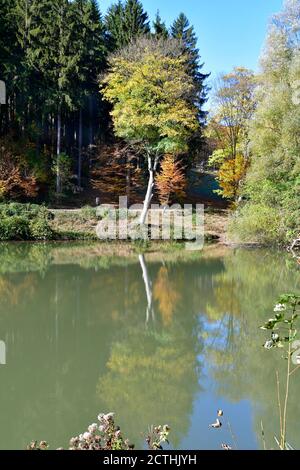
<point>80,224</point>
<point>30,222</point>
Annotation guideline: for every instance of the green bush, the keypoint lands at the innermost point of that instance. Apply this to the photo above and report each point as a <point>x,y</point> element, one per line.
<point>24,222</point>
<point>40,229</point>
<point>88,213</point>
<point>14,228</point>
<point>257,223</point>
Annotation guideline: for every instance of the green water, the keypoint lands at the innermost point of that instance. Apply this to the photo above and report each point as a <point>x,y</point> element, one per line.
<point>81,339</point>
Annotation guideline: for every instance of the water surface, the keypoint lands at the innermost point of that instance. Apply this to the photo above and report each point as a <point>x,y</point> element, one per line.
<point>154,338</point>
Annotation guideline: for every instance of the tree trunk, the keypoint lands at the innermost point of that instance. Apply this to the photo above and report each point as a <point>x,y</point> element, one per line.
<point>58,151</point>
<point>91,138</point>
<point>148,288</point>
<point>79,149</point>
<point>149,193</point>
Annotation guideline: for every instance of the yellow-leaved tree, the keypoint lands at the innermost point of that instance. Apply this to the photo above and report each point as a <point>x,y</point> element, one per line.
<point>153,99</point>
<point>230,174</point>
<point>228,129</point>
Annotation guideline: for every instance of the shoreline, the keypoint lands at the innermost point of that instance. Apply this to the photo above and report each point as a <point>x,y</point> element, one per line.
<point>79,225</point>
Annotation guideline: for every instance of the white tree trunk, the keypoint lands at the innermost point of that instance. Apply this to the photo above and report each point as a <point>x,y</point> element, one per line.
<point>149,193</point>
<point>148,288</point>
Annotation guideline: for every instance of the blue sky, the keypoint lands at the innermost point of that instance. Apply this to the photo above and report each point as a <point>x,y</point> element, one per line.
<point>230,32</point>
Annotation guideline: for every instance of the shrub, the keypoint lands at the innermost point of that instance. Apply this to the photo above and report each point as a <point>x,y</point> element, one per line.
<point>40,229</point>
<point>14,228</point>
<point>257,223</point>
<point>88,213</point>
<point>29,210</point>
<point>24,222</point>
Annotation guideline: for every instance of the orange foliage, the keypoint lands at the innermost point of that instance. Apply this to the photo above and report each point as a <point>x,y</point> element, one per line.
<point>15,179</point>
<point>166,294</point>
<point>171,181</point>
<point>116,172</point>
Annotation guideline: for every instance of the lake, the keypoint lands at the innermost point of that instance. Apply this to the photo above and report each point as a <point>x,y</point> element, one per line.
<point>156,338</point>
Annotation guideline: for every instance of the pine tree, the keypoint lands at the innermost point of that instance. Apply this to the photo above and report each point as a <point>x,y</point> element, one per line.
<point>136,20</point>
<point>90,39</point>
<point>160,29</point>
<point>114,23</point>
<point>90,47</point>
<point>8,38</point>
<point>31,81</point>
<point>124,22</point>
<point>52,52</point>
<point>51,57</point>
<point>11,57</point>
<point>182,30</point>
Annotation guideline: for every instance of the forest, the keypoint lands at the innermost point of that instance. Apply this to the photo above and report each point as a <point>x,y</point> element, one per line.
<point>95,105</point>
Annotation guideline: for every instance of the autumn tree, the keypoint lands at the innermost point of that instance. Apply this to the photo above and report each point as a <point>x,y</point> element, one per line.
<point>115,171</point>
<point>229,127</point>
<point>171,181</point>
<point>234,107</point>
<point>230,173</point>
<point>150,90</point>
<point>15,179</point>
<point>272,186</point>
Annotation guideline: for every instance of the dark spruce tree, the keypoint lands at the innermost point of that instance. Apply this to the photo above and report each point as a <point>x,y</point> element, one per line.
<point>126,21</point>
<point>159,27</point>
<point>89,43</point>
<point>114,25</point>
<point>136,20</point>
<point>36,89</point>
<point>55,53</point>
<point>11,65</point>
<point>52,52</point>
<point>182,30</point>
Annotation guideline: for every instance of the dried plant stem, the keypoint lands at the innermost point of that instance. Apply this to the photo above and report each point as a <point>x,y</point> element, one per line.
<point>283,436</point>
<point>263,435</point>
<point>232,435</point>
<point>279,403</point>
<point>294,370</point>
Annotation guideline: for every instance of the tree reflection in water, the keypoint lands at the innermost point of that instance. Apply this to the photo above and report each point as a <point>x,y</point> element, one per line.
<point>99,355</point>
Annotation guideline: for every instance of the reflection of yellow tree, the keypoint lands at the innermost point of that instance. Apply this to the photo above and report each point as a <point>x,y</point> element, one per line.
<point>166,295</point>
<point>225,299</point>
<point>151,379</point>
<point>152,374</point>
<point>12,293</point>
